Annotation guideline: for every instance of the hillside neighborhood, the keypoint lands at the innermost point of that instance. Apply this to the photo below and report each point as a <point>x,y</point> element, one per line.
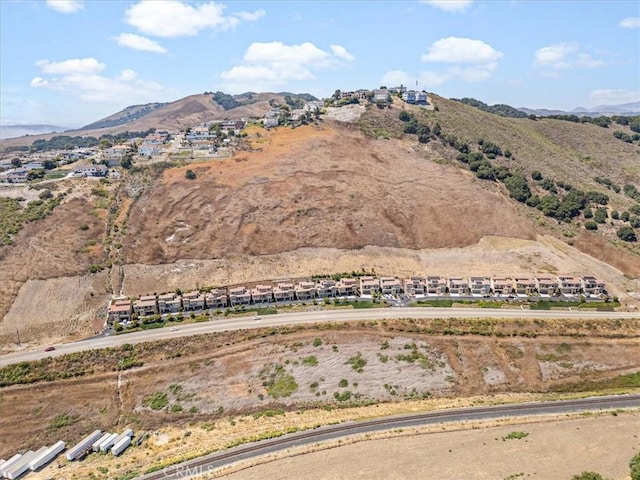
<point>211,139</point>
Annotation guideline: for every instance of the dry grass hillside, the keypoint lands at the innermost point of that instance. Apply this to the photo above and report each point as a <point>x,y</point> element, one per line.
<point>315,186</point>
<point>562,150</point>
<point>338,195</point>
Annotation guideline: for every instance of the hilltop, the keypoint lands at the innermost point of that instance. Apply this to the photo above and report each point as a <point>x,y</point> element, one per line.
<point>320,198</point>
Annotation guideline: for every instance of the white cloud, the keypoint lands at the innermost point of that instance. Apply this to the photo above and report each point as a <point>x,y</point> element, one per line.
<point>565,55</point>
<point>630,22</point>
<point>469,60</point>
<point>340,52</point>
<point>614,96</point>
<point>137,42</point>
<point>474,73</point>
<point>71,66</point>
<point>268,65</point>
<point>449,5</point>
<point>80,78</point>
<point>426,80</point>
<point>65,6</point>
<point>173,18</point>
<point>461,50</point>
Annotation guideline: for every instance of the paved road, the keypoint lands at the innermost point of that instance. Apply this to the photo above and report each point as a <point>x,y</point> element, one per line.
<point>211,462</point>
<point>239,323</point>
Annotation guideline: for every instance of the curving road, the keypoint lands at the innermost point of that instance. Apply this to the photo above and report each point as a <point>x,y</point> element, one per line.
<point>239,323</point>
<point>214,461</point>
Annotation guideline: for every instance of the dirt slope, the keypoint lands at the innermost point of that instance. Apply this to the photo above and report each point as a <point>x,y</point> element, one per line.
<point>316,187</point>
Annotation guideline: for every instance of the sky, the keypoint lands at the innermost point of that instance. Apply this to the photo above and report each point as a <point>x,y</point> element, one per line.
<point>72,62</point>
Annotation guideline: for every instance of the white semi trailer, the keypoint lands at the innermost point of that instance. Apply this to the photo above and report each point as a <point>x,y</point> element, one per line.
<point>85,444</point>
<point>22,465</point>
<point>108,443</point>
<point>96,445</point>
<point>45,457</point>
<point>121,446</point>
<point>7,465</point>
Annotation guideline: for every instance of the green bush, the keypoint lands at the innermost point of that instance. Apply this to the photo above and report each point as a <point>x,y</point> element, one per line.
<point>635,467</point>
<point>156,401</point>
<point>591,225</point>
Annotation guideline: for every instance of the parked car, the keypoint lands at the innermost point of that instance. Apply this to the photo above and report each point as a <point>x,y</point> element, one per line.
<point>49,349</point>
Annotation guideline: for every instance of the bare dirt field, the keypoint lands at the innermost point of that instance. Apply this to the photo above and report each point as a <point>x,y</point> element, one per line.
<point>243,384</point>
<point>555,449</point>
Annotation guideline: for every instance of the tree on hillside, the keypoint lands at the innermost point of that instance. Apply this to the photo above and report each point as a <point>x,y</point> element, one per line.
<point>518,187</point>
<point>16,162</point>
<point>627,234</point>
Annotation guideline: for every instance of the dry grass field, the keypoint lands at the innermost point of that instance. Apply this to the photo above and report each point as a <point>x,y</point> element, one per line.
<point>231,385</point>
<point>554,449</point>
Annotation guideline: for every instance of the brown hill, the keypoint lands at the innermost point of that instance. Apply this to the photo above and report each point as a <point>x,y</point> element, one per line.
<point>295,192</point>
<point>316,186</point>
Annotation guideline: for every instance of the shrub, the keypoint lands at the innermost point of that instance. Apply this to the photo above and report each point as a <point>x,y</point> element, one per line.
<point>518,187</point>
<point>627,234</point>
<point>156,401</point>
<point>536,175</point>
<point>190,175</point>
<point>357,362</point>
<point>588,476</point>
<point>600,215</point>
<point>591,225</point>
<point>317,342</point>
<point>635,467</point>
<point>615,215</point>
<point>310,361</point>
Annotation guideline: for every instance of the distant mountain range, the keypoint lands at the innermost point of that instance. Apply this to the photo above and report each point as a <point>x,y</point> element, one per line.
<point>607,110</point>
<point>13,131</point>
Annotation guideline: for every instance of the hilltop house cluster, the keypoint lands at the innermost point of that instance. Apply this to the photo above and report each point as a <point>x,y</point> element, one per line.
<point>382,95</point>
<point>123,310</point>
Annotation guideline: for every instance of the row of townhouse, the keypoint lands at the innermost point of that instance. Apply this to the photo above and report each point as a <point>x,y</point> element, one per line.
<point>122,310</point>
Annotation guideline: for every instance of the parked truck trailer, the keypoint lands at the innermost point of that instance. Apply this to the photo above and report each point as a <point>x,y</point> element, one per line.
<point>121,446</point>
<point>45,457</point>
<point>85,444</point>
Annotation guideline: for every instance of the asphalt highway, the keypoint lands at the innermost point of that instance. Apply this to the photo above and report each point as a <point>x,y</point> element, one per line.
<point>209,463</point>
<point>238,323</point>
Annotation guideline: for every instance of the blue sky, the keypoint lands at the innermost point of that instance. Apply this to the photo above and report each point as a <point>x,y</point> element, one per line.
<point>71,62</point>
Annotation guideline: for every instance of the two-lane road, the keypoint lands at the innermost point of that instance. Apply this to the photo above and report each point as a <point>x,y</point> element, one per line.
<point>239,323</point>
<point>209,463</point>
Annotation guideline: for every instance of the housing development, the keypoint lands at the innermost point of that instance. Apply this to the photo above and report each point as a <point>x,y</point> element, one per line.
<point>558,288</point>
